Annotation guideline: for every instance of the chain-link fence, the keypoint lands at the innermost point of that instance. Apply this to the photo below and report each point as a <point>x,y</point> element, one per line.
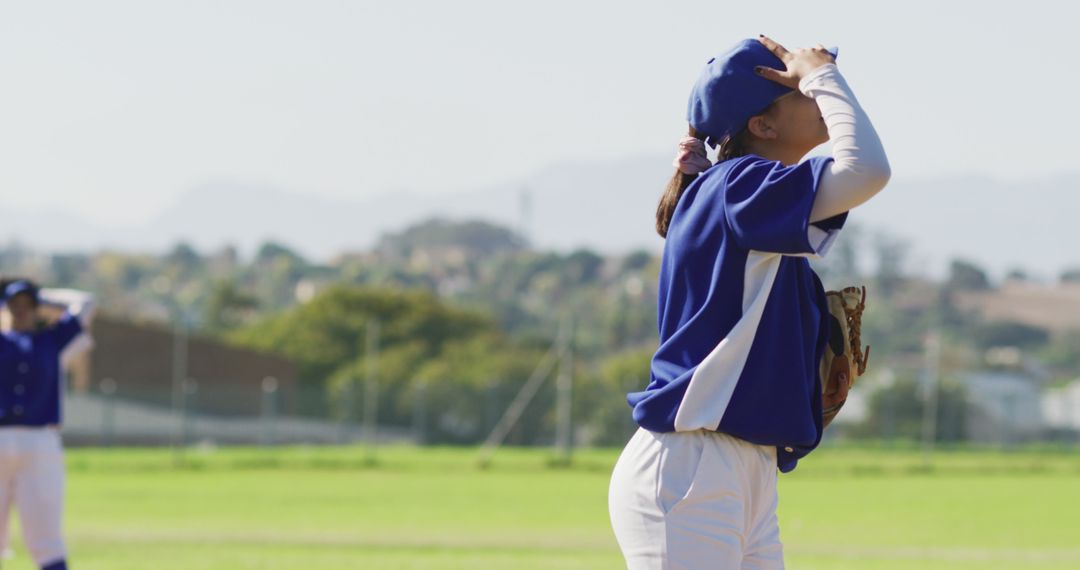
<point>195,412</point>
<point>981,408</point>
<point>976,407</point>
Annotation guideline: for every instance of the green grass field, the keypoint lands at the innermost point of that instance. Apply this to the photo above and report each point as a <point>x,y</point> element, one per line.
<point>433,509</point>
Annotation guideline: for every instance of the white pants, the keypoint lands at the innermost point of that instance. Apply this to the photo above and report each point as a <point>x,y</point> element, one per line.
<point>694,501</point>
<point>32,478</point>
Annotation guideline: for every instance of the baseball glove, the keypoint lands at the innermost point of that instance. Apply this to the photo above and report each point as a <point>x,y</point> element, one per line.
<point>844,359</point>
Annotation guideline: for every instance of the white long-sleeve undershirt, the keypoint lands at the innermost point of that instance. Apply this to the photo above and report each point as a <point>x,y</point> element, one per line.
<point>859,169</point>
<point>78,304</point>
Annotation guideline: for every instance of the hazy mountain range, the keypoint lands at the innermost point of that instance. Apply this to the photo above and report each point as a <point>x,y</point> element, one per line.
<point>607,206</point>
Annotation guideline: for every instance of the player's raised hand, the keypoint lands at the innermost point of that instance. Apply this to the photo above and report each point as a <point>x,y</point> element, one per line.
<point>799,62</point>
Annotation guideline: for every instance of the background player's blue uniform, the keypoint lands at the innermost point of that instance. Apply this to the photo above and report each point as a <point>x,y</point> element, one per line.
<point>31,453</point>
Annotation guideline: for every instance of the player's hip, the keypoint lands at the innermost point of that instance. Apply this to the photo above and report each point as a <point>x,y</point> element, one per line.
<point>695,496</point>
<point>15,440</point>
<point>666,465</point>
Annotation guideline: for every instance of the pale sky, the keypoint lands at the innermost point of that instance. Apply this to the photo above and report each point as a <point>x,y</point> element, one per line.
<point>111,109</point>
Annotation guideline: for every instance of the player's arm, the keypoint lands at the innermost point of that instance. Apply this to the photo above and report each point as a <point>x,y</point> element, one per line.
<point>78,304</point>
<point>860,168</point>
<point>71,331</point>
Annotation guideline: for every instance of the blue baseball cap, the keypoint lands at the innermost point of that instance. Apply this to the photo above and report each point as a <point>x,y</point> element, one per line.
<point>17,287</point>
<point>729,92</point>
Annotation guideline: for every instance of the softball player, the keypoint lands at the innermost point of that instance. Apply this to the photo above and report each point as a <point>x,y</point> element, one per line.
<point>735,391</point>
<point>31,456</point>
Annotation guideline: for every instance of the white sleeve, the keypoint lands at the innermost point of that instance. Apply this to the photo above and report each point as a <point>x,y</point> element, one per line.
<point>78,345</point>
<point>860,168</point>
<point>78,304</point>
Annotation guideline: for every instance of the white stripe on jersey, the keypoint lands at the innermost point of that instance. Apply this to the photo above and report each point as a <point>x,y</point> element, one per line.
<point>714,380</point>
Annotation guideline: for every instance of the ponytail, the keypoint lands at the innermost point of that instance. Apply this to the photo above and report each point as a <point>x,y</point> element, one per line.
<point>731,146</point>
<point>675,188</point>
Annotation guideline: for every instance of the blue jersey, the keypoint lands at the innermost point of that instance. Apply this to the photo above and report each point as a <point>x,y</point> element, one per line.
<point>740,309</point>
<point>30,375</point>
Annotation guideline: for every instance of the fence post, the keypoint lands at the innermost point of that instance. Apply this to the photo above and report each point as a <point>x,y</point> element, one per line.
<point>191,391</point>
<point>420,412</point>
<point>491,404</point>
<point>886,379</point>
<point>630,385</point>
<point>268,410</point>
<point>179,373</point>
<point>564,382</point>
<point>932,386</point>
<point>108,419</point>
<point>371,388</point>
<point>349,394</point>
<point>1072,399</point>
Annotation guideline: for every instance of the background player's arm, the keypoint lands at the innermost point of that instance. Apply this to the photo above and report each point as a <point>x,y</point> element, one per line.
<point>72,329</point>
<point>78,304</point>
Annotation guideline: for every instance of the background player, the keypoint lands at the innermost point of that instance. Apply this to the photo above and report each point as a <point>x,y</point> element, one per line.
<point>31,388</point>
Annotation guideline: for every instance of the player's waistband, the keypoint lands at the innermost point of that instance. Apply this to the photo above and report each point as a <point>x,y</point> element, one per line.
<point>50,427</point>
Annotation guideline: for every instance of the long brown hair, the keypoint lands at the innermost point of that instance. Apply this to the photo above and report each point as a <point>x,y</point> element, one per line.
<point>731,146</point>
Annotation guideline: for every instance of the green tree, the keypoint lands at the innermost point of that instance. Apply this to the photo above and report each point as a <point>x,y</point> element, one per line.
<point>582,267</point>
<point>471,383</point>
<point>896,411</point>
<point>184,256</point>
<point>891,253</point>
<point>228,307</point>
<point>329,331</point>
<point>966,276</point>
<point>476,238</point>
<point>270,252</point>
<point>1007,333</point>
<point>1071,275</point>
<point>608,415</point>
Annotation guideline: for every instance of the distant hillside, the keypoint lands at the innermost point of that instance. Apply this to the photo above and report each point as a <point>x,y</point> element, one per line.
<point>1000,225</point>
<point>1055,308</point>
<point>605,205</point>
